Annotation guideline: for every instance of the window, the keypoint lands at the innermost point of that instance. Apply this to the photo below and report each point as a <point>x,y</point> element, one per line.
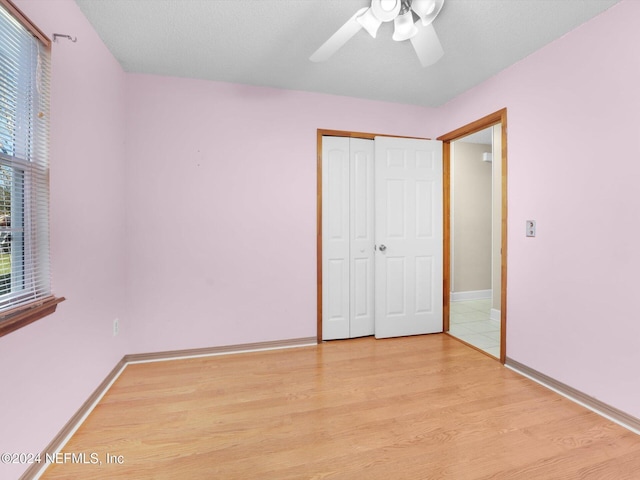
<point>25,286</point>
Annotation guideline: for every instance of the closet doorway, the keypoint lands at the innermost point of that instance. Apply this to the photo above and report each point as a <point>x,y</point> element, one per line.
<point>379,235</point>
<point>475,245</point>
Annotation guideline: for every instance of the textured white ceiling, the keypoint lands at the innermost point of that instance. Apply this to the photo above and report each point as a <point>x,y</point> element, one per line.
<point>268,43</point>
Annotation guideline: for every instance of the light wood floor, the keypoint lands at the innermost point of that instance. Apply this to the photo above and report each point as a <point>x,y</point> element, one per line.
<point>423,407</point>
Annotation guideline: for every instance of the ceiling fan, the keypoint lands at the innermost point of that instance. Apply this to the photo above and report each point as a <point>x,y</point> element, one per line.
<point>421,32</point>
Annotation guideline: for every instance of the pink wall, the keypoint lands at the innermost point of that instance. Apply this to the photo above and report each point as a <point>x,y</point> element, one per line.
<point>574,149</point>
<point>222,206</point>
<point>48,369</point>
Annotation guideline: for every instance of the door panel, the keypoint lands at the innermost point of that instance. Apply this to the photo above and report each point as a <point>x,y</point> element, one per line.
<point>408,184</point>
<point>424,214</point>
<point>362,238</point>
<point>424,278</point>
<point>394,204</point>
<point>395,285</point>
<point>348,238</point>
<point>335,244</point>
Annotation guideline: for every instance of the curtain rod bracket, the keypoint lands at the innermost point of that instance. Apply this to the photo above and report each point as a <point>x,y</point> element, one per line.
<point>68,37</point>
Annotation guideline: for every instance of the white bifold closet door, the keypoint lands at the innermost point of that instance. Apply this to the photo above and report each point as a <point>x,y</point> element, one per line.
<point>348,237</point>
<point>381,237</point>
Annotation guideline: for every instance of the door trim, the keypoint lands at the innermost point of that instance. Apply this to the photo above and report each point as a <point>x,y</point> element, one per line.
<point>330,133</point>
<point>499,117</point>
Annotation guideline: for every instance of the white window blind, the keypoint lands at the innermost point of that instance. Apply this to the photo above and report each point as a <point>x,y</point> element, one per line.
<point>24,166</point>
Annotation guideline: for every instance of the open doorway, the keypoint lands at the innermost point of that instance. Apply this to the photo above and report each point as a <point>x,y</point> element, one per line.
<point>474,308</point>
<point>475,234</point>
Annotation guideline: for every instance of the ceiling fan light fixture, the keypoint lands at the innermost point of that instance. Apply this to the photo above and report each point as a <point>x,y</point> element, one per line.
<point>385,10</point>
<point>427,10</point>
<point>421,33</point>
<point>423,7</point>
<point>369,22</point>
<point>388,5</point>
<point>404,28</point>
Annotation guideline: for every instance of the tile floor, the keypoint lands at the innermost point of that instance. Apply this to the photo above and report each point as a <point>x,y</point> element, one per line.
<point>469,321</point>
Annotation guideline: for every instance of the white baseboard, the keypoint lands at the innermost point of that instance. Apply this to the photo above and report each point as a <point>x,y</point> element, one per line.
<point>470,295</point>
<point>494,314</point>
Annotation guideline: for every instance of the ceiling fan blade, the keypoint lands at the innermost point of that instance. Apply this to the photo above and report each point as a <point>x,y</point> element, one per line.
<point>427,45</point>
<point>338,39</point>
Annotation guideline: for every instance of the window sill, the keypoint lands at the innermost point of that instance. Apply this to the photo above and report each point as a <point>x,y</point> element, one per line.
<point>23,316</point>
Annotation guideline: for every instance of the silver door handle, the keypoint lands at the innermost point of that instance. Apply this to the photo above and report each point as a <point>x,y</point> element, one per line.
<point>382,247</point>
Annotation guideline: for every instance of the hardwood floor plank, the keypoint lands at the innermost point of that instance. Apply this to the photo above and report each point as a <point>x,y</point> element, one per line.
<point>417,407</point>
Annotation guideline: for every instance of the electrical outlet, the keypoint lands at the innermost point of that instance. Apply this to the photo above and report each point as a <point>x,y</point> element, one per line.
<point>116,326</point>
<point>531,228</point>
